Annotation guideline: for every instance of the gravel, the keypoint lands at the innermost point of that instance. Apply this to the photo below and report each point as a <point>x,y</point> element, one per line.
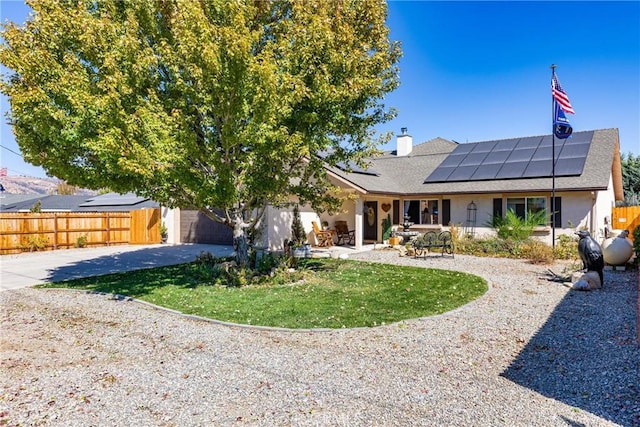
<point>529,352</point>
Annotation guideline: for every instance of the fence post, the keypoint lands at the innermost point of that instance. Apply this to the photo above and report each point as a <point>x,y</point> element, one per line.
<point>55,231</point>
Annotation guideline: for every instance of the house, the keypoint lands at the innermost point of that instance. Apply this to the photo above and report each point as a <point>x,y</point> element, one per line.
<point>110,202</point>
<point>440,183</point>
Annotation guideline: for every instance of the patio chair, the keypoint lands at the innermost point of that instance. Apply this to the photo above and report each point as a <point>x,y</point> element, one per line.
<point>325,237</point>
<point>345,236</point>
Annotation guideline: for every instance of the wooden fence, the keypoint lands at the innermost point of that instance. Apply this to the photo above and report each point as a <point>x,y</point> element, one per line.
<point>625,218</point>
<point>20,232</point>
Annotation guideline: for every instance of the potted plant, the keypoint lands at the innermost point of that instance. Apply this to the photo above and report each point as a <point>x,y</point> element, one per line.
<point>298,235</point>
<point>386,229</point>
<point>164,233</point>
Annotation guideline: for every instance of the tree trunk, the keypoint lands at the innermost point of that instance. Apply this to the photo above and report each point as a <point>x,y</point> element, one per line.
<point>240,241</point>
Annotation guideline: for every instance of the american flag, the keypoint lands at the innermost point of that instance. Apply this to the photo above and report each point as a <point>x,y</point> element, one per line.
<point>560,96</point>
<point>3,172</point>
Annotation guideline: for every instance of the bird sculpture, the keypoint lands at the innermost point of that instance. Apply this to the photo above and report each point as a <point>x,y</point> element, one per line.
<point>591,254</point>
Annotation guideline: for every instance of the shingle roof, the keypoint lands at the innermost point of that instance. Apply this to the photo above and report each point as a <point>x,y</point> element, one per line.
<point>406,174</point>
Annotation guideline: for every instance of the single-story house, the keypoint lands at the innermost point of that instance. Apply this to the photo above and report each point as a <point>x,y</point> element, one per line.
<point>440,183</point>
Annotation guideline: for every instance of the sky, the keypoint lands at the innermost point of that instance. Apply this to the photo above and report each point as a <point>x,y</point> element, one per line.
<point>477,71</point>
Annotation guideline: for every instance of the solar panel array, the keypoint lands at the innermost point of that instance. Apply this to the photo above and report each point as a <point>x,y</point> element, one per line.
<point>112,199</point>
<point>354,168</point>
<point>514,158</point>
<point>350,166</point>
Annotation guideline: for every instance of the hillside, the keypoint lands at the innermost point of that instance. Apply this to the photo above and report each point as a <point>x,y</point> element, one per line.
<point>32,185</point>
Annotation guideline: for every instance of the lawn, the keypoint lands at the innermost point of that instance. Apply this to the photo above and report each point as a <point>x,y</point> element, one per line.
<point>324,293</point>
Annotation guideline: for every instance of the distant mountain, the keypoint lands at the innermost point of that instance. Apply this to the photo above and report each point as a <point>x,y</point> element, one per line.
<point>32,185</point>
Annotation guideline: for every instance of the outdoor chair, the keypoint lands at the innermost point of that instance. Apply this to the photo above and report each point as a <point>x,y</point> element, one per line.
<point>344,235</point>
<point>324,237</point>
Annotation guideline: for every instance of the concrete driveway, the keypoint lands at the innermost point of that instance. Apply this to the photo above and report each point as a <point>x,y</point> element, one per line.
<point>28,269</point>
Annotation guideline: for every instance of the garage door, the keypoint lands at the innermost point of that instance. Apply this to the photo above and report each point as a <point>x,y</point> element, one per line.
<point>195,227</point>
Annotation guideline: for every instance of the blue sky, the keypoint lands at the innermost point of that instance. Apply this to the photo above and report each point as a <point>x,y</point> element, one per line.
<point>475,71</point>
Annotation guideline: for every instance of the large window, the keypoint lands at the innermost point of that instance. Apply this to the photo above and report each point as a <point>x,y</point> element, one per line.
<point>422,211</point>
<point>523,205</point>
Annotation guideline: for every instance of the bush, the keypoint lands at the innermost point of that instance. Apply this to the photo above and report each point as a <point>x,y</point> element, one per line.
<point>298,235</point>
<point>35,243</point>
<point>386,228</point>
<point>566,247</point>
<point>512,227</point>
<point>636,243</point>
<point>215,271</point>
<point>537,252</point>
<point>81,241</point>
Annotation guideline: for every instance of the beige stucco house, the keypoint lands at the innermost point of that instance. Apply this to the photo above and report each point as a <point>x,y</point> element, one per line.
<point>440,183</point>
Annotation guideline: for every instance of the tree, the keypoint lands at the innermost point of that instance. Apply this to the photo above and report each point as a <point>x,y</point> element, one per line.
<point>65,189</point>
<point>631,178</point>
<point>201,104</point>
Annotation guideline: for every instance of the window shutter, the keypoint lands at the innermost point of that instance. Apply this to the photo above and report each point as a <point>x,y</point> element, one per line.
<point>396,212</point>
<point>558,212</point>
<point>446,211</point>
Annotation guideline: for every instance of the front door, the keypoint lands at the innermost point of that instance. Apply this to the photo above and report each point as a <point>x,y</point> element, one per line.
<point>370,220</point>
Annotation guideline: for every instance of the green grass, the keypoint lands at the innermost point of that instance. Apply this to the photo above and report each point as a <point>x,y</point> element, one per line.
<point>333,294</point>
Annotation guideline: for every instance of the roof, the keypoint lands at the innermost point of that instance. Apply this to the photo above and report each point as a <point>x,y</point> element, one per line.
<point>111,202</point>
<point>406,174</point>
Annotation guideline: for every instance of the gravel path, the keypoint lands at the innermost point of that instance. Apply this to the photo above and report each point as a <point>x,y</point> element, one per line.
<point>528,353</point>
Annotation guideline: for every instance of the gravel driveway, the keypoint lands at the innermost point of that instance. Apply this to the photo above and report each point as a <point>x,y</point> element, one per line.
<point>528,353</point>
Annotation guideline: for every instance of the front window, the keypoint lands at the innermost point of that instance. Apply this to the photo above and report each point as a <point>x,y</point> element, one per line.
<point>522,206</point>
<point>422,211</point>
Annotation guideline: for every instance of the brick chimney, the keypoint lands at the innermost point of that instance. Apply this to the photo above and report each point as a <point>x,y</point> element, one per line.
<point>404,144</point>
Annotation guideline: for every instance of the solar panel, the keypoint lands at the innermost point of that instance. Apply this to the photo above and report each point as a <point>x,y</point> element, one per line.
<point>462,173</point>
<point>506,145</point>
<point>440,174</point>
<point>529,142</point>
<point>571,150</point>
<point>453,160</point>
<point>497,157</point>
<point>523,155</point>
<point>486,171</point>
<point>485,147</point>
<point>542,153</point>
<point>354,168</point>
<point>113,199</point>
<point>512,170</point>
<point>528,157</point>
<point>464,148</point>
<point>473,159</point>
<point>569,167</point>
<point>547,141</point>
<point>537,169</point>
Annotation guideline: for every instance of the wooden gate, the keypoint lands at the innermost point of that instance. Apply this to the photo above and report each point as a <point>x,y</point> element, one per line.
<point>625,218</point>
<point>145,227</point>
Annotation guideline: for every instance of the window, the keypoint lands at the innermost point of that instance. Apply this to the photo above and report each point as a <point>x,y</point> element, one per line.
<point>422,211</point>
<point>522,205</point>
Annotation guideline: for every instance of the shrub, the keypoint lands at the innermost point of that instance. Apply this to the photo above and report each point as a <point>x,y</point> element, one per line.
<point>512,227</point>
<point>386,228</point>
<point>566,247</point>
<point>636,243</point>
<point>537,252</point>
<point>35,243</point>
<point>298,236</point>
<point>81,241</point>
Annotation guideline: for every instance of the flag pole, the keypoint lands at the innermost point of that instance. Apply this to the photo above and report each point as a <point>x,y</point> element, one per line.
<point>553,166</point>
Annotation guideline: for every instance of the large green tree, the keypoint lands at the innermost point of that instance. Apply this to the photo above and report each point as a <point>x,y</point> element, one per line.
<point>631,178</point>
<point>201,104</point>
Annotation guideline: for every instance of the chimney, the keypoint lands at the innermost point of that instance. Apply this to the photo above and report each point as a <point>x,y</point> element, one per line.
<point>404,144</point>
